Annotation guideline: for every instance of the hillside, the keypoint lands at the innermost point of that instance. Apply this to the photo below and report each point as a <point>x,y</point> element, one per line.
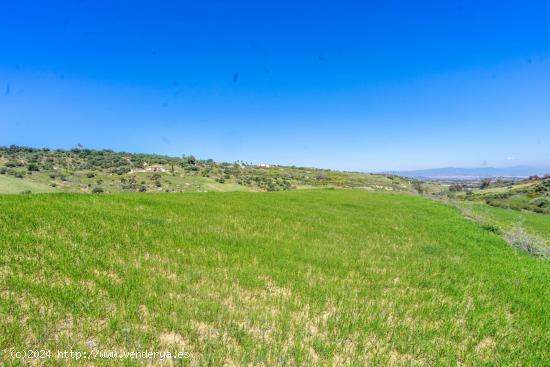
<point>532,195</point>
<point>31,170</point>
<point>305,277</point>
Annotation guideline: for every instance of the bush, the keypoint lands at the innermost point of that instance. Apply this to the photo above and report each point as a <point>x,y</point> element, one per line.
<point>98,190</point>
<point>456,188</point>
<point>518,238</point>
<point>500,195</point>
<point>33,167</point>
<point>143,189</point>
<point>13,164</point>
<point>90,175</point>
<point>26,192</point>
<point>540,202</point>
<point>122,170</point>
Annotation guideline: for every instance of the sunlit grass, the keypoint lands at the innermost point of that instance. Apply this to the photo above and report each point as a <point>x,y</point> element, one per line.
<point>316,277</point>
<point>536,224</point>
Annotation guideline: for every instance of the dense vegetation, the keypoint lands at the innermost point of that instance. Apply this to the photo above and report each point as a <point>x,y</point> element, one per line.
<point>25,170</point>
<point>309,277</point>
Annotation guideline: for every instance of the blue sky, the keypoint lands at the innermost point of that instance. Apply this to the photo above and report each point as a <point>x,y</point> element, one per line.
<point>366,85</point>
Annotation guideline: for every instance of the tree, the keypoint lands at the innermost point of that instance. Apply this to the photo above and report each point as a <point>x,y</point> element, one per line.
<point>456,188</point>
<point>419,187</point>
<point>485,183</point>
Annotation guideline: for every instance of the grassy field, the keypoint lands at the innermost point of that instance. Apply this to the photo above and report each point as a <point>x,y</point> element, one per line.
<point>535,224</point>
<point>78,182</point>
<point>308,277</point>
<point>12,185</point>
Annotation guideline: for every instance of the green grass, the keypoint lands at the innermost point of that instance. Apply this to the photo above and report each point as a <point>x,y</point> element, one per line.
<point>320,277</point>
<point>13,185</point>
<point>533,223</point>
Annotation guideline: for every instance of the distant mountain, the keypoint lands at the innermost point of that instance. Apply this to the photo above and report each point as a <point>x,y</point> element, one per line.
<point>454,173</point>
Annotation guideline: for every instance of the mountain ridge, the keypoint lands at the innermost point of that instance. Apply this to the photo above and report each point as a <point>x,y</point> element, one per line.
<point>519,171</point>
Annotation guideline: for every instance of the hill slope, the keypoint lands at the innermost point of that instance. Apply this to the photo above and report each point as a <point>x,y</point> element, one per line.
<point>30,170</point>
<point>532,195</point>
<point>298,277</point>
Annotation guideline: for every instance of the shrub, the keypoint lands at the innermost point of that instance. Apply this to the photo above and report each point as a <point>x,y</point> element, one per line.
<point>98,190</point>
<point>13,164</point>
<point>456,188</point>
<point>26,192</point>
<point>500,195</point>
<point>143,188</point>
<point>526,242</point>
<point>33,167</point>
<point>122,170</point>
<point>540,202</point>
<point>90,175</point>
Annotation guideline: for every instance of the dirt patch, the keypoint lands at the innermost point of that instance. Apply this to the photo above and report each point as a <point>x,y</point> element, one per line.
<point>486,344</point>
<point>173,339</point>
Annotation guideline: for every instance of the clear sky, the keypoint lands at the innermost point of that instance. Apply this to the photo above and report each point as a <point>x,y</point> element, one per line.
<point>366,85</point>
